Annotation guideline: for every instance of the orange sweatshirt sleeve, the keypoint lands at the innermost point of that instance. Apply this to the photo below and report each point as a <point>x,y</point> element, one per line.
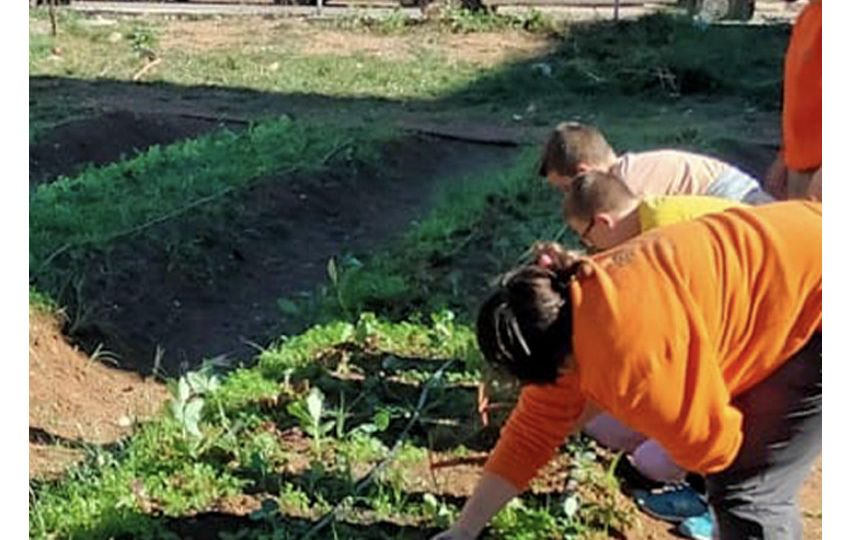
<point>802,107</point>
<point>544,416</point>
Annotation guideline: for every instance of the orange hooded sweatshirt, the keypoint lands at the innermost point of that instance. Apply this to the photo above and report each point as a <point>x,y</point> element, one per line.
<point>670,327</point>
<point>801,108</point>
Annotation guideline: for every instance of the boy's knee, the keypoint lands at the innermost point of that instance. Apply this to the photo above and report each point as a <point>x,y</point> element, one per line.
<point>611,434</point>
<point>655,463</point>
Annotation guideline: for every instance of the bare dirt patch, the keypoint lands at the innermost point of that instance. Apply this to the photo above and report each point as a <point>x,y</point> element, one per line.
<point>102,139</point>
<point>75,400</point>
<point>485,49</point>
<point>210,34</point>
<point>256,33</point>
<point>493,48</point>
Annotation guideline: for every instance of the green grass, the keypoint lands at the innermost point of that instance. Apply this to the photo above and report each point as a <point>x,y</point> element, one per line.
<point>42,302</point>
<point>115,52</point>
<point>353,77</point>
<point>450,19</point>
<point>165,466</point>
<point>72,218</point>
<point>661,58</point>
<point>238,446</point>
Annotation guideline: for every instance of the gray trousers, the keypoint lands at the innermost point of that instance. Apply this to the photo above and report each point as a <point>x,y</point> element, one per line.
<point>756,497</point>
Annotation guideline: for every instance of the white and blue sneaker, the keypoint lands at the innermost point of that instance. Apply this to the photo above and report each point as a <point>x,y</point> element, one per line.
<point>699,527</point>
<point>672,502</point>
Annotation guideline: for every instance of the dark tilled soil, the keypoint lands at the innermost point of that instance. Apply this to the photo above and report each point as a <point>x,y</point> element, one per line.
<point>106,138</point>
<point>275,243</point>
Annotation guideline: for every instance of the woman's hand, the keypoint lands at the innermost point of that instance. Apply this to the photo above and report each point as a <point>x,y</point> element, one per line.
<point>553,256</point>
<point>491,494</point>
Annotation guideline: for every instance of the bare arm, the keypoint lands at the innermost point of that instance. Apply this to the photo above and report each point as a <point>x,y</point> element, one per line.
<point>776,178</point>
<point>491,494</point>
<point>815,187</point>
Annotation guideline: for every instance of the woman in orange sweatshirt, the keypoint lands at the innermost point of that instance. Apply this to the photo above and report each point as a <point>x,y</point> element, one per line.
<point>703,335</point>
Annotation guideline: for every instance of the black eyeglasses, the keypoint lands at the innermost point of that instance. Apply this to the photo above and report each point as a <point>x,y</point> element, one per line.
<point>583,236</point>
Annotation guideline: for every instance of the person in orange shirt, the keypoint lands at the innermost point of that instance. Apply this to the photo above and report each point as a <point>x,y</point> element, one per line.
<point>704,335</point>
<point>793,174</point>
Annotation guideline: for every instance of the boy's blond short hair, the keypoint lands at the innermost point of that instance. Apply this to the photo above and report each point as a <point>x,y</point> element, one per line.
<point>571,143</point>
<point>595,192</point>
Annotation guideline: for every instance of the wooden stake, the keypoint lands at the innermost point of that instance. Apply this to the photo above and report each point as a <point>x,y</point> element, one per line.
<point>51,10</point>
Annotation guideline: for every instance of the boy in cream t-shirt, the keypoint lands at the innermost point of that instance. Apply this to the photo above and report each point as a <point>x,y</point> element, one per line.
<point>575,148</point>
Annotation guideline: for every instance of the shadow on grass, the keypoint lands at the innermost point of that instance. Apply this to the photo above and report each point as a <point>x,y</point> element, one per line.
<point>224,526</point>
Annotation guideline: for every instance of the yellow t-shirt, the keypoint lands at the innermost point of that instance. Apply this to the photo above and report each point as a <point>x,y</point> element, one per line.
<point>667,210</point>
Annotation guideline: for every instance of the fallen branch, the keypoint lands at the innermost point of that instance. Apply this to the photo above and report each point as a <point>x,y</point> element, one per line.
<point>333,513</point>
<point>454,462</point>
<point>147,67</point>
<point>467,138</point>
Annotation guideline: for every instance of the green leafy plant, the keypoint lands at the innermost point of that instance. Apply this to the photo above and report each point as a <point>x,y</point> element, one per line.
<point>187,401</point>
<point>520,521</point>
<point>310,413</point>
<point>439,513</point>
<point>464,20</point>
<point>142,39</point>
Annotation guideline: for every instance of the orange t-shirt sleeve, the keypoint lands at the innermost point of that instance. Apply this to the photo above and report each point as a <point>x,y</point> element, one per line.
<point>544,416</point>
<point>802,107</point>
